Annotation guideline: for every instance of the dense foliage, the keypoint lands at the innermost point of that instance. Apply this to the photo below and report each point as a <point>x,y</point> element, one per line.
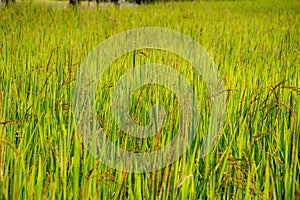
<point>256,48</point>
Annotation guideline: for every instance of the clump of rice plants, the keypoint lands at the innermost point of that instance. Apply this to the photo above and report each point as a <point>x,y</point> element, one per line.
<point>255,46</point>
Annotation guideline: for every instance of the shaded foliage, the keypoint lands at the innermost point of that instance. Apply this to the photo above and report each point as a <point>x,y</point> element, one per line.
<point>75,2</point>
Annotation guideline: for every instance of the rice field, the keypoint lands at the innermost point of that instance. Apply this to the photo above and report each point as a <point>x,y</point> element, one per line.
<point>255,47</point>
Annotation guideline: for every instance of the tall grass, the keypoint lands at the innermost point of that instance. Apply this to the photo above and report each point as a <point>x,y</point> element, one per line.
<point>256,48</point>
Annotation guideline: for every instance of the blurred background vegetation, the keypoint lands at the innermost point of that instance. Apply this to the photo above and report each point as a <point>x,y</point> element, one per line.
<point>78,2</point>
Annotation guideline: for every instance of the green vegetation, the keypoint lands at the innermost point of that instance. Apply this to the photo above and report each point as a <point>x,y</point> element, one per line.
<point>256,48</point>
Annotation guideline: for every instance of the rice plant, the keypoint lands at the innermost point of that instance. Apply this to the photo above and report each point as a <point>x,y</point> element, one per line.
<point>255,46</point>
